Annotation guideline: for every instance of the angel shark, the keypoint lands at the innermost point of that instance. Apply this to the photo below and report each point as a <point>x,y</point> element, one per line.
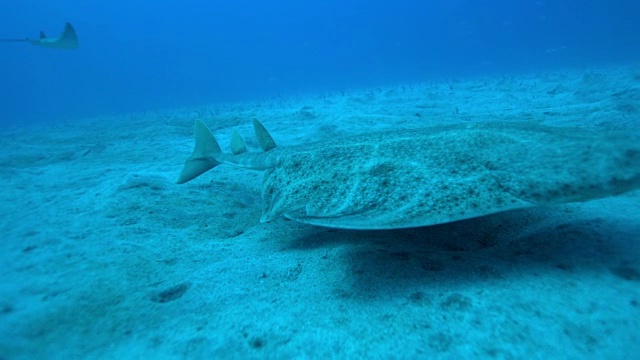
<point>420,177</point>
<point>68,40</point>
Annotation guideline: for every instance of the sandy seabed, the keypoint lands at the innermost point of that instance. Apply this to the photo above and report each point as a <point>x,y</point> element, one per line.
<point>105,257</point>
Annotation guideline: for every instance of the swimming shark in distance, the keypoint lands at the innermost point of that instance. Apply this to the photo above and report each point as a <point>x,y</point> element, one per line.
<point>68,40</point>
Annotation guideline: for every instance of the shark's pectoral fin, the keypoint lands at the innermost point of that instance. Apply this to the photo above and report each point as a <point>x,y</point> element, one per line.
<point>69,34</point>
<point>345,220</point>
<point>339,215</point>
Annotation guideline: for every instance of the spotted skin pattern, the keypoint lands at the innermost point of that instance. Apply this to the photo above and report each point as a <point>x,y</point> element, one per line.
<point>420,177</point>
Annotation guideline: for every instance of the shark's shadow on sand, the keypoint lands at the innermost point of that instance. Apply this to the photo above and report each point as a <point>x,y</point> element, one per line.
<point>499,247</point>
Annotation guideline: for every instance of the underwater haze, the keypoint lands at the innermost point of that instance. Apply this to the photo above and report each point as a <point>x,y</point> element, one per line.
<point>142,55</point>
<point>354,179</point>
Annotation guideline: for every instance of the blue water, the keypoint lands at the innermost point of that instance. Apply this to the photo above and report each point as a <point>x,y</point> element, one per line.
<point>104,256</point>
<point>138,55</point>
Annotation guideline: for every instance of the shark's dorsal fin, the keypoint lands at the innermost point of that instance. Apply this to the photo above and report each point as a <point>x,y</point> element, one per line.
<point>42,35</point>
<point>238,146</point>
<point>264,138</point>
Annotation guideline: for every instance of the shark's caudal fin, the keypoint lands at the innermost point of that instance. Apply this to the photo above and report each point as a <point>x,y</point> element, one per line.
<point>68,39</point>
<point>204,154</point>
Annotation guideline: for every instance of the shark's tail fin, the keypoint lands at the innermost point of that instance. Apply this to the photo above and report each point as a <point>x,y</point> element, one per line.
<point>204,154</point>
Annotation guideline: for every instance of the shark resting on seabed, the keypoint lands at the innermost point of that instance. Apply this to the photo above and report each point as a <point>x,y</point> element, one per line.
<point>68,40</point>
<point>419,177</point>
